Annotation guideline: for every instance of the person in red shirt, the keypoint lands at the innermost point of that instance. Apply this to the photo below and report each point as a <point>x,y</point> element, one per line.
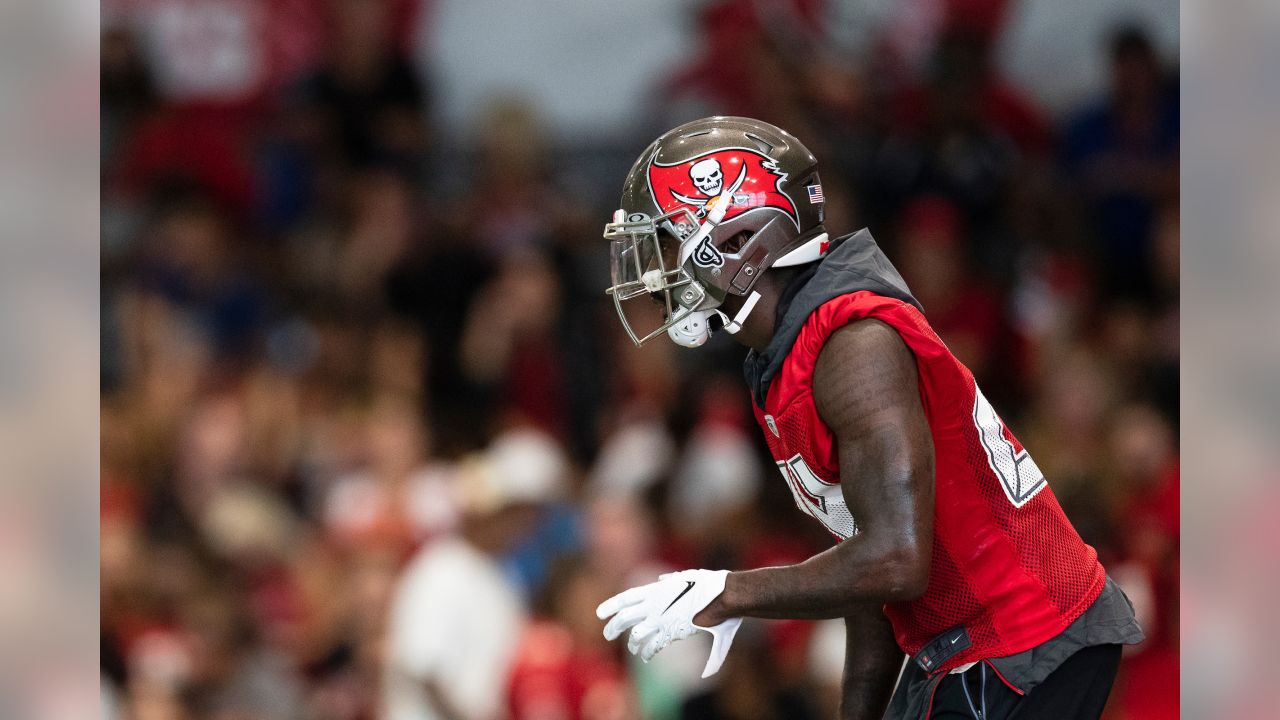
<point>562,669</point>
<point>950,546</point>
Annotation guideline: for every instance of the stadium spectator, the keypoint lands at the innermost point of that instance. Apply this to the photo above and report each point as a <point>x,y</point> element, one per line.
<point>452,595</point>
<point>1123,154</point>
<point>565,670</point>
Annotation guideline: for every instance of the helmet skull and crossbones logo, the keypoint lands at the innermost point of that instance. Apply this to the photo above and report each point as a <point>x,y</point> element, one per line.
<point>707,176</point>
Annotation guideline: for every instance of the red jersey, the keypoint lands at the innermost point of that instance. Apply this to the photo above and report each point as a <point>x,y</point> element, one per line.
<point>1007,565</point>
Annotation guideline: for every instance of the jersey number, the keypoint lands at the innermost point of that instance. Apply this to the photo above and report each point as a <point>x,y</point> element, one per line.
<point>1018,474</point>
<point>822,500</point>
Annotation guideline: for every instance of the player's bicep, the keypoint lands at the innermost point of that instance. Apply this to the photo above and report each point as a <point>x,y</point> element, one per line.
<point>866,391</point>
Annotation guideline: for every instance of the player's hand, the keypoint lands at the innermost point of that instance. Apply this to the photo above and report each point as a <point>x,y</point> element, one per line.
<point>661,612</point>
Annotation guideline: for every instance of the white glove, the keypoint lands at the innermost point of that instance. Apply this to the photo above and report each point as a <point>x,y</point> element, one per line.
<point>663,611</point>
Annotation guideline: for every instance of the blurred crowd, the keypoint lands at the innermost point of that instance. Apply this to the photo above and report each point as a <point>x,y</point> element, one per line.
<point>374,444</point>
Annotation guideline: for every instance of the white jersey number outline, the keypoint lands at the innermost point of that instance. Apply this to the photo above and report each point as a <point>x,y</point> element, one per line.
<point>816,497</point>
<point>1019,476</point>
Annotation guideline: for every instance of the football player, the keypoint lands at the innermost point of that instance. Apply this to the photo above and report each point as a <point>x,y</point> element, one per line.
<point>949,546</point>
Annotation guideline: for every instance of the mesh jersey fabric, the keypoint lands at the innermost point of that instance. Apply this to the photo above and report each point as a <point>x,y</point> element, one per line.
<point>1006,563</point>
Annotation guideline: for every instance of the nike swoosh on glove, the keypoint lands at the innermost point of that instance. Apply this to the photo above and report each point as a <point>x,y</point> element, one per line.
<point>662,612</point>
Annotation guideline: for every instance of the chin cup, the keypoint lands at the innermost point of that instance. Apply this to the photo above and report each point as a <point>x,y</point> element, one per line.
<point>692,330</point>
<point>696,327</point>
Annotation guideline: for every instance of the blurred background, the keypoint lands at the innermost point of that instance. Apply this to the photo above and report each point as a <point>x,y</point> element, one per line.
<point>373,442</point>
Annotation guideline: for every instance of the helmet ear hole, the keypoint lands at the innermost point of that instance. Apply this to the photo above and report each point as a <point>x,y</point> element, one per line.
<point>735,243</point>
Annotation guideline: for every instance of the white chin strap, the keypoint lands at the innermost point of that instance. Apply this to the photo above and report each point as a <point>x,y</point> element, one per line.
<point>734,325</point>
<point>695,328</point>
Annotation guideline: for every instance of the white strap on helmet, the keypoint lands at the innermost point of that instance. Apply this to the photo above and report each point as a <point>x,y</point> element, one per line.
<point>694,329</point>
<point>734,325</point>
<point>716,209</point>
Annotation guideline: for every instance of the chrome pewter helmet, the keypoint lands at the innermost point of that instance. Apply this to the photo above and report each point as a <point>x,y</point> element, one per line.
<point>707,208</point>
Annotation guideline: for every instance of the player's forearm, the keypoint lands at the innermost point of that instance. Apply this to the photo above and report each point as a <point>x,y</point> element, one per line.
<point>830,584</point>
<point>871,664</point>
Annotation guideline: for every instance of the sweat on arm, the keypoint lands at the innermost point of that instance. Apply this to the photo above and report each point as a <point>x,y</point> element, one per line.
<point>866,391</point>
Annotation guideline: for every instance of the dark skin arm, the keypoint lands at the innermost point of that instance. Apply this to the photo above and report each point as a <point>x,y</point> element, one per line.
<point>872,661</point>
<point>866,391</point>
